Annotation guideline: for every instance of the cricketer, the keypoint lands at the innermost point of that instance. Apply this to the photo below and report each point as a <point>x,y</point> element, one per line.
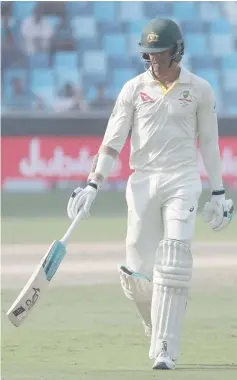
<point>166,109</point>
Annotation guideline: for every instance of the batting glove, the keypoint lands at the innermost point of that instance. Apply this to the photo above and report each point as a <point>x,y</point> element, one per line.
<point>219,211</point>
<point>81,201</point>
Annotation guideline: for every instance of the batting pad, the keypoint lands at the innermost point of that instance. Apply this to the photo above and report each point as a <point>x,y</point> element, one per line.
<point>171,282</point>
<point>138,288</point>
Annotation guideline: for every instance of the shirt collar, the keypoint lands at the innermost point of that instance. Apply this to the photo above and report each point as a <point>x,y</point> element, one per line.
<point>184,76</point>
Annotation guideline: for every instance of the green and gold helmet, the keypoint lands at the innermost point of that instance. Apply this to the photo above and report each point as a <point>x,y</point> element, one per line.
<point>160,35</point>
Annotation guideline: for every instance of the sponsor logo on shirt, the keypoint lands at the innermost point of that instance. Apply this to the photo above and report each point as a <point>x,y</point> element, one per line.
<point>146,98</point>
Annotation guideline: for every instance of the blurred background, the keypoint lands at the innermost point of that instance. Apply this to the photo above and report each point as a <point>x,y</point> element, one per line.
<point>76,56</point>
<point>62,67</point>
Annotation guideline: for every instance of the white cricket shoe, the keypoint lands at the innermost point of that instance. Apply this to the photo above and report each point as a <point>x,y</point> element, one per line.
<point>164,361</point>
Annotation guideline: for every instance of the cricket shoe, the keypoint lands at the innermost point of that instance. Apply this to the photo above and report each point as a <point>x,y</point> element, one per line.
<point>163,362</point>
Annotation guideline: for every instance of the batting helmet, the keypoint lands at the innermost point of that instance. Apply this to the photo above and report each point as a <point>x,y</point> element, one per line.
<point>160,35</point>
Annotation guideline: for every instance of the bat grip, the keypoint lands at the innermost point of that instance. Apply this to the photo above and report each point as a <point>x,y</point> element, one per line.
<point>67,235</point>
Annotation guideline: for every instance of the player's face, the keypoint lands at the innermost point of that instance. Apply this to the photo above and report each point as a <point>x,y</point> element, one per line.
<point>160,61</point>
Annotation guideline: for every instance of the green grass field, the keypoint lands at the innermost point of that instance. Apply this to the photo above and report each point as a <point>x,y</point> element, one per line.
<point>54,203</point>
<point>42,218</point>
<point>92,333</point>
<point>44,230</point>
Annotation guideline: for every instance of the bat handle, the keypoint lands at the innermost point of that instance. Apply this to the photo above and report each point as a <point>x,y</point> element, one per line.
<point>66,236</point>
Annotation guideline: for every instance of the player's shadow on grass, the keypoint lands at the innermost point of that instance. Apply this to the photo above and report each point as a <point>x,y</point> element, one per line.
<point>207,367</point>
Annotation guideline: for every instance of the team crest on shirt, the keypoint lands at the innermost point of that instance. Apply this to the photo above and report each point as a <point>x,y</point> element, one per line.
<point>185,98</point>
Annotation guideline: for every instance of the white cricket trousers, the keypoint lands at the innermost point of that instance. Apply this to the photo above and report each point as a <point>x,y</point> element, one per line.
<point>160,206</point>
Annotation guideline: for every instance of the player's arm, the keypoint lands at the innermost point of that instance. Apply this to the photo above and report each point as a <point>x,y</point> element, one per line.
<point>218,211</point>
<point>118,128</point>
<point>208,137</point>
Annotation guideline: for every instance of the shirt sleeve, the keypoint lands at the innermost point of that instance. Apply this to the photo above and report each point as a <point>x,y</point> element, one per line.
<point>121,120</point>
<point>208,136</point>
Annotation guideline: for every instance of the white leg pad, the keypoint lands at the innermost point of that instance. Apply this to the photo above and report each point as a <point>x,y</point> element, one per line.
<point>171,282</point>
<point>138,288</point>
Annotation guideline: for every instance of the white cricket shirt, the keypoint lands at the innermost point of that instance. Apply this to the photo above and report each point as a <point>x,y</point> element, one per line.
<point>165,124</point>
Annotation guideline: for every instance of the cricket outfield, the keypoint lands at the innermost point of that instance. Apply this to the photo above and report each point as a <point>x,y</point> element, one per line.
<point>84,328</point>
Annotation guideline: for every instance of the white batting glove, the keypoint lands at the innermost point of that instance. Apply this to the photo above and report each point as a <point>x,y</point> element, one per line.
<point>218,212</point>
<point>81,201</point>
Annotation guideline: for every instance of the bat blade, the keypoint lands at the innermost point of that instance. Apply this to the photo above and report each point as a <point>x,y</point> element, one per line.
<point>36,285</point>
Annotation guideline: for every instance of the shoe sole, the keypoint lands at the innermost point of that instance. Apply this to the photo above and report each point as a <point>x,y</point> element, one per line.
<point>161,365</point>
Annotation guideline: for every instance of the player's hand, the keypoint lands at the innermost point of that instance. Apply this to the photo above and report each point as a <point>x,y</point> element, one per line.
<point>218,212</point>
<point>81,201</point>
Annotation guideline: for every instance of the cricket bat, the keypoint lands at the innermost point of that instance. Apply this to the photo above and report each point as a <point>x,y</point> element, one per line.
<point>39,280</point>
